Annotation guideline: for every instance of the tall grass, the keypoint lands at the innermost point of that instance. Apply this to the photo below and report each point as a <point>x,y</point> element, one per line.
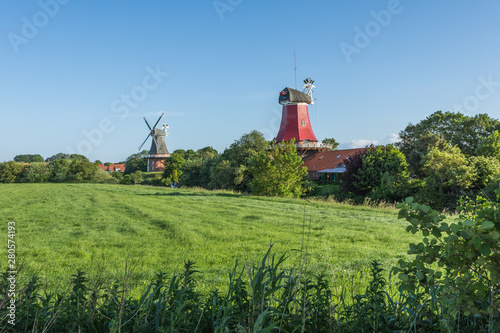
<point>265,297</point>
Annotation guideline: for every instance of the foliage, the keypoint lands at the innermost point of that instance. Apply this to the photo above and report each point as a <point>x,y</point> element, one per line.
<point>460,130</point>
<point>221,175</point>
<point>81,171</point>
<point>239,154</point>
<point>449,174</point>
<point>59,170</point>
<point>36,172</point>
<point>490,146</point>
<point>352,165</point>
<point>135,163</point>
<point>196,172</point>
<point>486,169</point>
<point>334,144</point>
<point>173,167</point>
<point>63,156</point>
<point>460,261</point>
<point>101,176</point>
<point>11,172</point>
<point>378,164</point>
<point>450,167</point>
<point>278,172</point>
<point>28,158</point>
<point>418,146</point>
<point>246,147</point>
<point>264,297</point>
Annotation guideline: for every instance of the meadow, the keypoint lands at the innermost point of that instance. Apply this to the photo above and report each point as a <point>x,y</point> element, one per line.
<point>64,227</point>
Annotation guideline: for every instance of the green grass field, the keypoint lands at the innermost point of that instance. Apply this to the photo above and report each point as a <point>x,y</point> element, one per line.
<point>63,227</point>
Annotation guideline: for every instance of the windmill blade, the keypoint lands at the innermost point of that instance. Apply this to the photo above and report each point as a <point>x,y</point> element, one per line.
<point>147,124</point>
<point>159,119</point>
<point>144,141</point>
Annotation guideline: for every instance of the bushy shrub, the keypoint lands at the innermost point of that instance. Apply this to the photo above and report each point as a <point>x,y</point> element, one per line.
<point>11,172</point>
<point>36,172</point>
<point>458,261</point>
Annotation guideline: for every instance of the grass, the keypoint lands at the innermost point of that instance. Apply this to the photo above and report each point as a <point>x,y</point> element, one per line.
<point>63,227</point>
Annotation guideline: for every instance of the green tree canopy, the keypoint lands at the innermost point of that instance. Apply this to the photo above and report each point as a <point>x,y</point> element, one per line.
<point>59,170</point>
<point>334,144</point>
<point>135,163</point>
<point>378,162</point>
<point>465,132</point>
<point>278,171</point>
<point>490,146</point>
<point>81,171</point>
<point>28,158</point>
<point>11,172</point>
<point>173,168</point>
<point>246,147</point>
<point>58,156</point>
<point>486,168</point>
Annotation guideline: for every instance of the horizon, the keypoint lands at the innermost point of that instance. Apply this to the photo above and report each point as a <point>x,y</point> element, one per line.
<point>80,76</point>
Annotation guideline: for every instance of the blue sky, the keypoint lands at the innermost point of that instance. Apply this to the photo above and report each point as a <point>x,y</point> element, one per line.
<point>78,76</point>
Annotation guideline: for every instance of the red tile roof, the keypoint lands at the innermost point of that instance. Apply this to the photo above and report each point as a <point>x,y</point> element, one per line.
<point>113,167</point>
<point>329,159</point>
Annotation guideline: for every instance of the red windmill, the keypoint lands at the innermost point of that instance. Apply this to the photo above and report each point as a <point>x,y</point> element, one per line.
<point>295,122</point>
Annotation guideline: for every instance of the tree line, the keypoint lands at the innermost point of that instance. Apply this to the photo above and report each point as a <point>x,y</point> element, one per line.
<point>438,160</point>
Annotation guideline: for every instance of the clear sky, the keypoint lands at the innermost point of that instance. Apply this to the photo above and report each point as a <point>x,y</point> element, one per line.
<point>78,76</point>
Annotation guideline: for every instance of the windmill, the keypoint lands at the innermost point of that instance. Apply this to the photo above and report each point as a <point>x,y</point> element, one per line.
<point>295,121</point>
<point>158,151</point>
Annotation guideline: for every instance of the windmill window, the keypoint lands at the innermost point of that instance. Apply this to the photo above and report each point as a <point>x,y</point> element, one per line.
<point>322,156</point>
<point>314,167</point>
<point>339,155</point>
<point>303,123</point>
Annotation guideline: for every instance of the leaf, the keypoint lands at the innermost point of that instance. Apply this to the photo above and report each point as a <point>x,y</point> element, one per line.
<point>487,225</point>
<point>468,223</point>
<point>420,275</point>
<point>403,277</point>
<point>485,250</point>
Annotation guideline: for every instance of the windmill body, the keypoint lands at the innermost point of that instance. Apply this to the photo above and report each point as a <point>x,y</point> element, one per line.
<point>158,151</point>
<point>295,121</point>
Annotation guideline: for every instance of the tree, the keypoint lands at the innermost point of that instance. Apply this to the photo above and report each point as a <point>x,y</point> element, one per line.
<point>459,130</point>
<point>173,168</point>
<point>239,154</point>
<point>450,167</point>
<point>28,158</point>
<point>486,169</point>
<point>81,171</point>
<point>331,142</point>
<point>221,175</point>
<point>380,162</point>
<point>207,152</point>
<point>11,172</point>
<point>422,144</point>
<point>37,172</point>
<point>59,169</point>
<point>448,175</point>
<point>278,171</point>
<point>352,165</point>
<point>490,146</point>
<point>246,147</point>
<point>135,162</point>
<point>58,156</point>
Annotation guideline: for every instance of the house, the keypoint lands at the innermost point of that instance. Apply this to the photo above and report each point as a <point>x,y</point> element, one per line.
<point>328,165</point>
<point>112,167</point>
